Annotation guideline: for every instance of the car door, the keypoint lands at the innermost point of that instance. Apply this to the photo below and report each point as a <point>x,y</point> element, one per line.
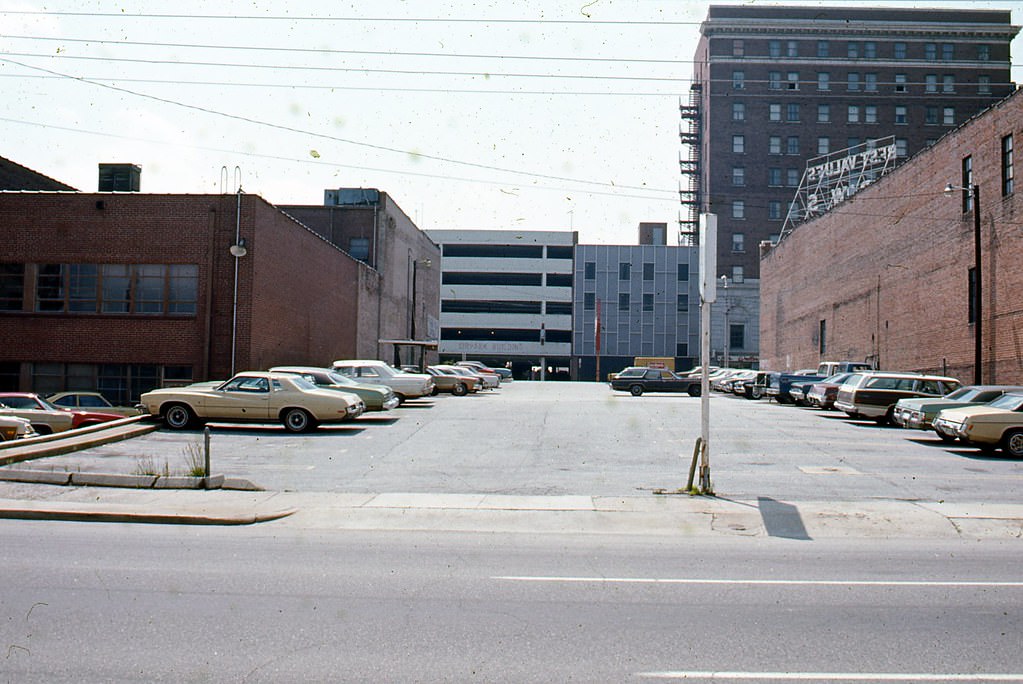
<point>243,398</point>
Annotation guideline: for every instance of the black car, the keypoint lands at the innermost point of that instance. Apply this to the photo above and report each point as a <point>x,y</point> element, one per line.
<point>638,380</point>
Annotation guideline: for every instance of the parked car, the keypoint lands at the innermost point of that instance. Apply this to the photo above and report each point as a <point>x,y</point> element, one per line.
<point>481,368</point>
<point>375,397</point>
<point>736,383</point>
<point>405,385</point>
<point>446,380</point>
<point>918,414</point>
<point>47,418</point>
<point>874,394</point>
<point>254,397</point>
<point>12,427</point>
<point>90,401</point>
<point>780,383</point>
<point>823,393</point>
<point>997,424</point>
<point>827,368</point>
<point>655,380</point>
<point>485,380</point>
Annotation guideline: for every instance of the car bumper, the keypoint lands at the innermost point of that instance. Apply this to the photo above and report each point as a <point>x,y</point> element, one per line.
<point>391,402</point>
<point>949,428</point>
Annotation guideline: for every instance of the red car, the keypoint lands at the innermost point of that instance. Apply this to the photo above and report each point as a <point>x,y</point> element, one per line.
<point>45,417</point>
<point>822,394</point>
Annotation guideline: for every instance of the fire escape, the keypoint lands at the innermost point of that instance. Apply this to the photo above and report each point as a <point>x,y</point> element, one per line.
<point>689,165</point>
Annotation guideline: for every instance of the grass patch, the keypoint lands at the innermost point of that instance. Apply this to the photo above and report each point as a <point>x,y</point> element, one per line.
<point>195,459</point>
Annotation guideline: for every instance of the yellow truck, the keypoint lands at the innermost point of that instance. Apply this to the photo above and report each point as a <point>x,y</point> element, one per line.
<point>656,362</point>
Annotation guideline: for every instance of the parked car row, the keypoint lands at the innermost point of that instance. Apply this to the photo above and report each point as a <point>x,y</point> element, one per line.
<point>987,417</point>
<point>303,397</point>
<point>46,417</point>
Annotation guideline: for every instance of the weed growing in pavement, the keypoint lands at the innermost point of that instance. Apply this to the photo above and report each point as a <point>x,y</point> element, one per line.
<point>195,459</point>
<point>147,465</point>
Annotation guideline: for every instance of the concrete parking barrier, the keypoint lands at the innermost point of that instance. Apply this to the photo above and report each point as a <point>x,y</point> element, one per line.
<point>109,480</point>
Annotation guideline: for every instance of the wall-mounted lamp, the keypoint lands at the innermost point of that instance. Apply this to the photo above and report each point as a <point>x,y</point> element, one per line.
<point>239,249</point>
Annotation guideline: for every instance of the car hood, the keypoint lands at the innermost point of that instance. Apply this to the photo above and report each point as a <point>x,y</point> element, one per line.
<point>980,413</point>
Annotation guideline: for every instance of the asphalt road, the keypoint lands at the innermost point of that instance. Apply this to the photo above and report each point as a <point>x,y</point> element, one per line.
<point>111,602</point>
<point>580,438</point>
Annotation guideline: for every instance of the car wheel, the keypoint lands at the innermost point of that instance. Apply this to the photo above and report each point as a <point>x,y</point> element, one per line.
<point>178,416</point>
<point>459,390</point>
<point>435,391</point>
<point>694,390</point>
<point>297,420</point>
<point>947,439</point>
<point>42,429</point>
<point>636,390</point>
<point>756,393</point>
<point>1012,443</point>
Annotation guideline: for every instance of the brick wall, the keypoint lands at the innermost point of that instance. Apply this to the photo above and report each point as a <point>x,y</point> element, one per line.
<point>888,269</point>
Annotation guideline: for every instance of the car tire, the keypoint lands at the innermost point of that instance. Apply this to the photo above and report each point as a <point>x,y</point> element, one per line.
<point>459,390</point>
<point>636,390</point>
<point>1012,443</point>
<point>178,416</point>
<point>947,439</point>
<point>756,393</point>
<point>694,390</point>
<point>297,420</point>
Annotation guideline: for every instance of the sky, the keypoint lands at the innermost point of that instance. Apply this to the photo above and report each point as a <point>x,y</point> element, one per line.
<point>518,115</point>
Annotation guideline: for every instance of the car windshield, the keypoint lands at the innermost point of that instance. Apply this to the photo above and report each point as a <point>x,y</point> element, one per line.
<point>1008,402</point>
<point>963,394</point>
<point>339,379</point>
<point>25,403</point>
<point>632,373</point>
<point>837,378</point>
<point>301,382</point>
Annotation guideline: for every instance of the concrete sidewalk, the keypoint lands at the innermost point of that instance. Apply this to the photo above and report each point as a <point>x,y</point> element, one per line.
<point>634,515</point>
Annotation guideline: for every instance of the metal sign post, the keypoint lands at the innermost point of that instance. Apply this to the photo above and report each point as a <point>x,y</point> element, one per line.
<point>708,295</point>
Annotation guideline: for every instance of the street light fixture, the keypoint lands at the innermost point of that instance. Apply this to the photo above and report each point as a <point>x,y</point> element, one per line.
<point>973,191</point>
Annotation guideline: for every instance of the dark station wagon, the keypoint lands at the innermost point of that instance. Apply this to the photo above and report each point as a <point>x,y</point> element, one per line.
<point>637,380</point>
<point>874,394</point>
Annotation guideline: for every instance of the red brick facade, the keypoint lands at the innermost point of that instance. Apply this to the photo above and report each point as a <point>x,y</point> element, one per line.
<point>886,273</point>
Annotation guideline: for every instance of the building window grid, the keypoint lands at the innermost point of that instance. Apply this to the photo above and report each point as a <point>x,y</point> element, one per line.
<point>1007,167</point>
<point>145,289</point>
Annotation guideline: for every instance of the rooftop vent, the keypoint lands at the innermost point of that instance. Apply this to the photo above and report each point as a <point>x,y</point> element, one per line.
<point>119,178</point>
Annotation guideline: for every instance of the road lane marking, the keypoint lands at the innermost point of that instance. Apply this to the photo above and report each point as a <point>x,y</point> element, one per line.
<point>838,676</point>
<point>756,582</point>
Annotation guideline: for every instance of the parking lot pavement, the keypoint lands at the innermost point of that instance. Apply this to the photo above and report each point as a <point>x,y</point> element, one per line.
<point>541,440</point>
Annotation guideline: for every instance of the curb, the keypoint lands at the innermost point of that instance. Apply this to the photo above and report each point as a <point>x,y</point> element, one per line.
<point>82,515</point>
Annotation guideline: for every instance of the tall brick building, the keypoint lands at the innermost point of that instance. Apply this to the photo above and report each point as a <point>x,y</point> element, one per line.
<point>775,87</point>
<point>125,291</point>
<point>888,276</point>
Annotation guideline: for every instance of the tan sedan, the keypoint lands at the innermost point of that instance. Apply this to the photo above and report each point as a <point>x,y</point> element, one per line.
<point>44,417</point>
<point>254,397</point>
<point>90,401</point>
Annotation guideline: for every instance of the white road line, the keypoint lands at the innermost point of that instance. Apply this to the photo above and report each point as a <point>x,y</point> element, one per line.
<point>756,582</point>
<point>837,676</point>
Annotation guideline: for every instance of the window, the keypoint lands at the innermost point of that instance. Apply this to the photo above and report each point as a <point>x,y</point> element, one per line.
<point>590,270</point>
<point>491,306</point>
<point>738,243</point>
<point>931,83</point>
<point>947,52</point>
<point>505,251</point>
<point>948,116</point>
<point>899,51</point>
<point>737,335</point>
<point>648,271</point>
<point>738,144</point>
<point>738,175</point>
<point>682,349</point>
<point>559,280</point>
<point>870,82</point>
<point>948,83</point>
<point>967,182</point>
<point>870,50</point>
<point>823,48</point>
<point>853,50</point>
<point>117,288</point>
<point>823,145</point>
<point>792,112</point>
<point>358,248</point>
<point>624,271</point>
<point>1007,172</point>
<point>774,48</point>
<point>930,51</point>
<point>774,112</point>
<point>900,114</point>
<point>774,209</point>
<point>12,287</point>
<point>823,113</point>
<point>738,111</point>
<point>560,252</point>
<point>791,49</point>
<point>738,48</point>
<point>738,80</point>
<point>984,85</point>
<point>822,337</point>
<point>774,144</point>
<point>854,114</point>
<point>623,301</point>
<point>774,80</point>
<point>983,52</point>
<point>683,272</point>
<point>901,148</point>
<point>971,287</point>
<point>900,83</point>
<point>648,302</point>
<point>737,274</point>
<point>931,115</point>
<point>738,209</point>
<point>558,308</point>
<point>774,176</point>
<point>485,278</point>
<point>852,141</point>
<point>792,177</point>
<point>853,79</point>
<point>792,144</point>
<point>792,80</point>
<point>682,303</point>
<point>589,301</point>
<point>870,114</point>
<point>823,80</point>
